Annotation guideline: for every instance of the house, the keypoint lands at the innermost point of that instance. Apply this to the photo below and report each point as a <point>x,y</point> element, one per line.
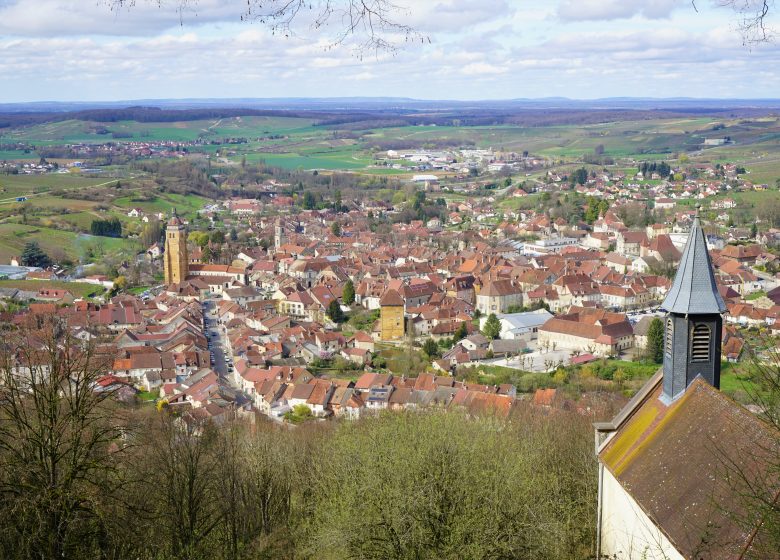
<point>640,331</point>
<point>585,329</point>
<point>676,464</point>
<point>496,296</point>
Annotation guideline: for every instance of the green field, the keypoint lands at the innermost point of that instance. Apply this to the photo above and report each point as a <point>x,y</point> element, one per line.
<point>294,143</point>
<point>78,289</point>
<point>56,243</point>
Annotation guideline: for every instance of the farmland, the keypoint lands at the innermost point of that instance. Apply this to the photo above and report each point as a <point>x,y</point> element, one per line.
<point>305,143</point>
<point>57,209</point>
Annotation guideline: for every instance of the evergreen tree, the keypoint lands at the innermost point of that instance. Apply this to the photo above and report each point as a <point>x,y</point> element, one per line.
<point>492,327</point>
<point>233,234</point>
<point>33,255</point>
<point>335,313</point>
<point>335,229</point>
<point>655,340</point>
<point>348,295</point>
<point>309,201</point>
<point>431,348</point>
<point>461,333</point>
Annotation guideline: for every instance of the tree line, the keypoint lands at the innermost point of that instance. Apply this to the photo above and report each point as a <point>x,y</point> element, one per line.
<point>110,227</point>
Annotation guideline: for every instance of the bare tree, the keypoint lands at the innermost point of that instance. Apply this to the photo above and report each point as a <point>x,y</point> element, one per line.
<point>371,24</point>
<point>59,441</point>
<point>752,17</point>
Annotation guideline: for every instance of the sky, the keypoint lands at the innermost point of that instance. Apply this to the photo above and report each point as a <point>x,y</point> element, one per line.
<point>83,50</point>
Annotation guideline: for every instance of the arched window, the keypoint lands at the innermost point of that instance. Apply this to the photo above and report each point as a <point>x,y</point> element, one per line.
<point>669,337</point>
<point>700,343</point>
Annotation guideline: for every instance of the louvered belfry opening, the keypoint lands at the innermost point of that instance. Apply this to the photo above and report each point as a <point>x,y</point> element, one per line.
<point>669,341</point>
<point>700,343</point>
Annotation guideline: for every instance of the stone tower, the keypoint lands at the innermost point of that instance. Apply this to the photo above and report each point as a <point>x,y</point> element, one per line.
<point>693,324</point>
<point>280,237</point>
<point>391,316</point>
<point>176,261</point>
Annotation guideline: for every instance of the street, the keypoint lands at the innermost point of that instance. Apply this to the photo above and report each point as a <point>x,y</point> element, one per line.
<point>216,337</point>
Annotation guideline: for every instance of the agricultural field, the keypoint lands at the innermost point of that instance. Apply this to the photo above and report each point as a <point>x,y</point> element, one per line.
<point>293,143</point>
<point>53,215</point>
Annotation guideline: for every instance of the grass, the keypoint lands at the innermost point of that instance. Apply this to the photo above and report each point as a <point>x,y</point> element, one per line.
<point>54,242</point>
<point>756,295</point>
<point>78,289</point>
<point>147,396</point>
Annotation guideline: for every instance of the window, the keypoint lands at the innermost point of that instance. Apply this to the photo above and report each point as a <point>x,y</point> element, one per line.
<point>669,337</point>
<point>700,343</point>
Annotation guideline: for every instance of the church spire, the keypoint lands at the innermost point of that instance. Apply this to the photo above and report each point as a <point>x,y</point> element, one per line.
<point>694,289</point>
<point>693,324</point>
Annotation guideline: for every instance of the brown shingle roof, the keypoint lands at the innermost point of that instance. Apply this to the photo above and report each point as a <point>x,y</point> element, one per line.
<point>671,459</point>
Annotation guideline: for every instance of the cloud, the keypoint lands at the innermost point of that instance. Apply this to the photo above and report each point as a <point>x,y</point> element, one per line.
<point>595,10</point>
<point>483,69</point>
<point>489,49</point>
<point>437,16</point>
<point>79,17</point>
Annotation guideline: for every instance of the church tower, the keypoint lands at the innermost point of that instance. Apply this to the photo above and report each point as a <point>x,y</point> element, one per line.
<point>693,324</point>
<point>176,262</point>
<point>280,238</point>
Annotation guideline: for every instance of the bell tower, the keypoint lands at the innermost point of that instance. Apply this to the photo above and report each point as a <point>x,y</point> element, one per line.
<point>280,237</point>
<point>694,322</point>
<point>176,262</point>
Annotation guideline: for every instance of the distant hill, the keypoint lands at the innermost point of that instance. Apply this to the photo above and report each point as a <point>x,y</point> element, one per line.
<point>362,112</point>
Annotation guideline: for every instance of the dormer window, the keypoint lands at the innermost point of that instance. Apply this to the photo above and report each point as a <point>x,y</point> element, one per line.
<point>700,343</point>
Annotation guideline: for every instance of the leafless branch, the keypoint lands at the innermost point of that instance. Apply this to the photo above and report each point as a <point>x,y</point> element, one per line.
<point>370,25</point>
<point>752,18</point>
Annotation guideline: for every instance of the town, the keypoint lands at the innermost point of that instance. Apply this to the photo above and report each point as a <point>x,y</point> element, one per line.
<point>378,280</point>
<point>298,313</point>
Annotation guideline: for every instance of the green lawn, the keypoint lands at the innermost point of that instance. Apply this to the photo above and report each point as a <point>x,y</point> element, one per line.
<point>147,396</point>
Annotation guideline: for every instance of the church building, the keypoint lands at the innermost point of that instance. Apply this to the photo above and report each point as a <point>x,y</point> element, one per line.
<point>683,466</point>
<point>176,263</point>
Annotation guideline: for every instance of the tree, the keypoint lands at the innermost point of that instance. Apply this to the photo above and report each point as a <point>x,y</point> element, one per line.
<point>492,327</point>
<point>309,201</point>
<point>107,228</point>
<point>299,414</point>
<point>478,486</point>
<point>218,237</point>
<point>348,294</point>
<point>55,432</point>
<point>33,255</point>
<point>431,348</point>
<point>120,283</point>
<point>335,229</point>
<point>335,313</point>
<point>461,332</point>
<point>655,340</point>
<point>233,234</point>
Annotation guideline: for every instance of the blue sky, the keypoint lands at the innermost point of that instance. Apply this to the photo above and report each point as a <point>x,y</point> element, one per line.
<point>81,50</point>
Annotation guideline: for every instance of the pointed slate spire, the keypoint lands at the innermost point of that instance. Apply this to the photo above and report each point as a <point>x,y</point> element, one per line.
<point>694,290</point>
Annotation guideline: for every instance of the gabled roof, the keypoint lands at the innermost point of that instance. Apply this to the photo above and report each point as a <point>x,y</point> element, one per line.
<point>694,289</point>
<point>671,460</point>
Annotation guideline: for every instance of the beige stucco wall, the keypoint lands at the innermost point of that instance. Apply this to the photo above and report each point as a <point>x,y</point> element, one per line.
<point>626,531</point>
